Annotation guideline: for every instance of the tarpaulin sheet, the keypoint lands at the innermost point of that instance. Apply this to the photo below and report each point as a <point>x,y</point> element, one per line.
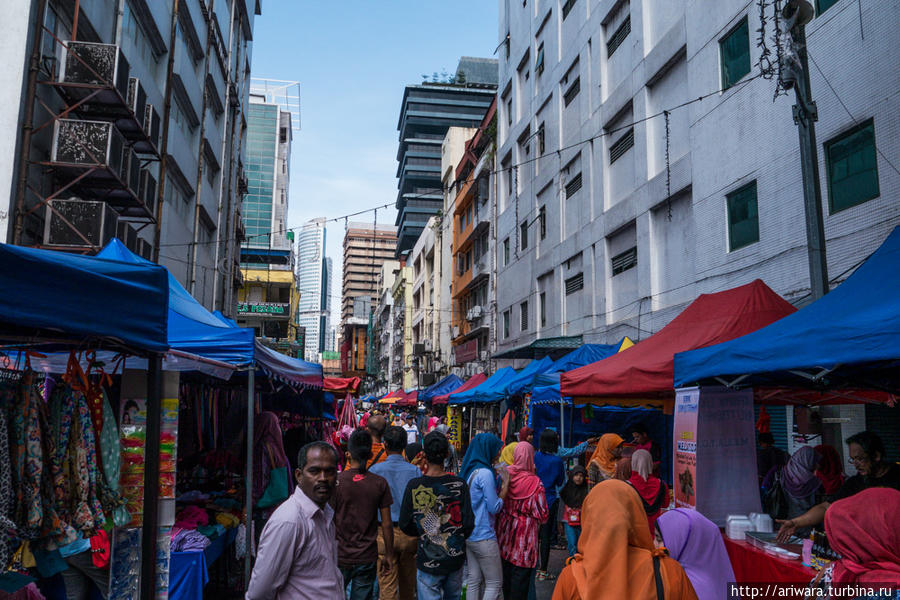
<point>522,382</point>
<point>546,385</point>
<point>341,385</point>
<point>645,369</point>
<point>289,370</point>
<point>76,298</point>
<point>471,383</point>
<point>490,390</point>
<point>855,327</point>
<point>447,385</point>
<point>192,328</point>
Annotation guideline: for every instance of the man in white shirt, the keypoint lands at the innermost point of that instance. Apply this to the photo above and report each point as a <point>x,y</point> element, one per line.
<point>412,432</point>
<point>297,558</point>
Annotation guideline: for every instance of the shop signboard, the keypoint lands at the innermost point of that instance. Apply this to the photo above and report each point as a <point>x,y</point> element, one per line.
<point>687,404</point>
<point>466,352</point>
<point>454,421</point>
<point>264,309</point>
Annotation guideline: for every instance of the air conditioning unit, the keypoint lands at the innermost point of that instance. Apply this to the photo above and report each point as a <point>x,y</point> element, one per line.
<point>95,220</point>
<point>483,355</point>
<point>145,249</point>
<point>469,315</point>
<point>477,312</point>
<point>127,235</point>
<point>147,190</point>
<point>96,64</point>
<point>137,99</point>
<point>152,124</point>
<point>87,143</point>
<point>454,331</point>
<point>429,346</point>
<point>131,171</point>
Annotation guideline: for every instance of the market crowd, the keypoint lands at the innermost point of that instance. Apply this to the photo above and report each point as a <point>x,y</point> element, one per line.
<point>394,514</point>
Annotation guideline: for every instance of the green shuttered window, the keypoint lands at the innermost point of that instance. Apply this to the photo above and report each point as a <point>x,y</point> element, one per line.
<point>743,217</point>
<point>734,49</point>
<point>852,168</point>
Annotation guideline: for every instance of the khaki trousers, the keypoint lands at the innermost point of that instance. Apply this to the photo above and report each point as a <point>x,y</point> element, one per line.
<point>400,583</point>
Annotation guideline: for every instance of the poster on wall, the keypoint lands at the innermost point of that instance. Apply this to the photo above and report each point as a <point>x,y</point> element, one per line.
<point>687,404</point>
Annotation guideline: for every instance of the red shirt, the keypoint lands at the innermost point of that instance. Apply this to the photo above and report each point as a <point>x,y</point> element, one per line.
<point>517,529</point>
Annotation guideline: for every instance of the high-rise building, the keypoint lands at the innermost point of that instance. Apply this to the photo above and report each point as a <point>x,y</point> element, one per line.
<point>312,278</point>
<point>268,300</point>
<point>366,247</point>
<point>87,135</point>
<point>427,111</point>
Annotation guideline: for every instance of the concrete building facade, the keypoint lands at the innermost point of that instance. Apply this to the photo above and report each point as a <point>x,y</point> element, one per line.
<point>173,85</point>
<point>619,203</point>
<point>426,112</point>
<point>402,373</point>
<point>380,367</point>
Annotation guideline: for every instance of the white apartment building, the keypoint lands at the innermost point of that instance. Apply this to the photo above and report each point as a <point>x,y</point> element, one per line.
<point>313,279</point>
<point>600,239</point>
<point>384,326</point>
<point>425,258</point>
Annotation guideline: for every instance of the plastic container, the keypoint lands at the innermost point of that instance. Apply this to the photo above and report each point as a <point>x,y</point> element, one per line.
<point>736,527</point>
<point>763,522</point>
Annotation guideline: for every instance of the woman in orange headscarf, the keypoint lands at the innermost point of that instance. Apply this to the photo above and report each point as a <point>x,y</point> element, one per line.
<point>616,558</point>
<point>603,461</point>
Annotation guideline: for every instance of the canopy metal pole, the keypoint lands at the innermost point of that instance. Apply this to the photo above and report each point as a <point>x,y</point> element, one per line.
<point>562,422</point>
<point>248,500</point>
<point>149,531</point>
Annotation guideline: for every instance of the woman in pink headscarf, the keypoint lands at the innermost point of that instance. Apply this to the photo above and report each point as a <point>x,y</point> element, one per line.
<point>524,510</point>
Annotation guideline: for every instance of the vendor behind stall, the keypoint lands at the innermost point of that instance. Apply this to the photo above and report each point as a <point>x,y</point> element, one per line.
<point>868,455</point>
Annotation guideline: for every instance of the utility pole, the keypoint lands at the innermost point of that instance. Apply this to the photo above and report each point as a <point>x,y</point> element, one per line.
<point>796,74</point>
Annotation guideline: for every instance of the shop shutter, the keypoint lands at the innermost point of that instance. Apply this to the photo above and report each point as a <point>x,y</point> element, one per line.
<point>885,421</point>
<point>777,424</point>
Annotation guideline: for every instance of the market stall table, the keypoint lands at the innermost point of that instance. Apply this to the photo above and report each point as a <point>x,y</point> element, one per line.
<point>189,571</point>
<point>752,565</point>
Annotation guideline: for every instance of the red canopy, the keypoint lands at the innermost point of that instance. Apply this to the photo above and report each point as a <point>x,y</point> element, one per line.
<point>474,380</point>
<point>645,370</point>
<point>409,399</point>
<point>341,385</point>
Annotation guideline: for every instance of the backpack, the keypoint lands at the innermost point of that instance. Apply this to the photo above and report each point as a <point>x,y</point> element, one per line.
<point>775,501</point>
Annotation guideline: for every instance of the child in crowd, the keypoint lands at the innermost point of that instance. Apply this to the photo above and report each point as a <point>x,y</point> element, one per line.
<point>572,495</point>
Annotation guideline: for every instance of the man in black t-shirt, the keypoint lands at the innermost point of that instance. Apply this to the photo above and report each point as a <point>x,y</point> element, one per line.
<point>358,499</point>
<point>868,455</point>
<point>436,508</point>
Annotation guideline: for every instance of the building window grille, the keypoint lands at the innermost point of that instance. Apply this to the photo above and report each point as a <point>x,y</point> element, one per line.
<point>574,284</point>
<point>567,8</point>
<point>618,37</point>
<point>523,309</point>
<point>572,92</point>
<point>852,167</point>
<point>743,217</point>
<point>734,49</point>
<point>624,261</point>
<point>573,186</point>
<point>621,146</point>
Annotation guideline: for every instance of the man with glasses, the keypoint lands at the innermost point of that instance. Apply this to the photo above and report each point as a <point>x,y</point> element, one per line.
<point>867,454</point>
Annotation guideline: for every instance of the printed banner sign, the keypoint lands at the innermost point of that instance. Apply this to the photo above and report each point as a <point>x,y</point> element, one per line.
<point>687,405</point>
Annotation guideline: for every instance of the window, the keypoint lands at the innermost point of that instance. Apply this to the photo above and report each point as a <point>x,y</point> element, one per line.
<point>574,284</point>
<point>572,91</point>
<point>573,186</point>
<point>621,146</point>
<point>506,319</point>
<point>505,252</point>
<point>567,8</point>
<point>539,60</point>
<point>523,235</point>
<point>523,309</point>
<point>509,178</point>
<point>509,111</point>
<point>743,219</point>
<point>852,167</point>
<point>624,261</point>
<point>823,5</point>
<point>542,219</point>
<point>618,37</point>
<point>543,308</point>
<point>282,135</point>
<point>735,54</point>
<point>541,139</point>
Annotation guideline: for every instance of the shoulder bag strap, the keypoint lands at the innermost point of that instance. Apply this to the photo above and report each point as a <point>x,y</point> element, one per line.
<point>660,591</point>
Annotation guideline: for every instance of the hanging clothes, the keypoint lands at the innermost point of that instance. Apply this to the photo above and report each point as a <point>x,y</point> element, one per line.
<point>6,501</point>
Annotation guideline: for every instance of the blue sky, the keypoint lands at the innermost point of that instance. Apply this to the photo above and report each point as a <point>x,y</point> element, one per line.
<point>353,59</point>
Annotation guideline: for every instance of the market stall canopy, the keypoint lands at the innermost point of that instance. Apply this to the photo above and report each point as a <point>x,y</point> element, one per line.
<point>81,299</point>
<point>447,385</point>
<point>846,339</point>
<point>293,371</point>
<point>523,380</point>
<point>192,328</point>
<point>645,370</point>
<point>473,382</point>
<point>546,385</point>
<point>408,399</point>
<point>487,391</point>
<point>553,347</point>
<point>341,385</point>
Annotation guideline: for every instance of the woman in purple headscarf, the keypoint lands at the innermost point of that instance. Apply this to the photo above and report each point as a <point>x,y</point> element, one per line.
<point>696,543</point>
<point>801,486</point>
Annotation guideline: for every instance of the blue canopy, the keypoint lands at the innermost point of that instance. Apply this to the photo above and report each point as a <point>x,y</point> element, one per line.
<point>546,386</point>
<point>192,328</point>
<point>489,390</point>
<point>289,370</point>
<point>444,386</point>
<point>76,298</point>
<point>523,380</point>
<point>848,338</point>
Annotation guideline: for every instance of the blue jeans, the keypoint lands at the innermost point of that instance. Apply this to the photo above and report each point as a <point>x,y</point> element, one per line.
<point>439,587</point>
<point>360,581</point>
<point>572,535</point>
